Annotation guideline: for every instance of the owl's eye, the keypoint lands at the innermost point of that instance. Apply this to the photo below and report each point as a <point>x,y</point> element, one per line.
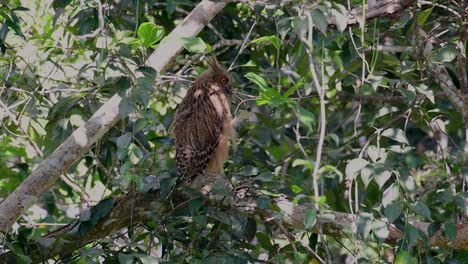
<point>223,80</point>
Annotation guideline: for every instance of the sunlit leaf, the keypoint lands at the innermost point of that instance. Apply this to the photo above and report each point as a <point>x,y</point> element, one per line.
<point>258,80</point>
<point>381,175</point>
<point>402,257</point>
<point>320,20</point>
<point>380,230</point>
<point>446,54</point>
<point>396,134</point>
<point>340,16</point>
<point>354,167</point>
<point>274,40</point>
<point>423,16</point>
<point>307,118</point>
<point>390,195</point>
<point>195,45</point>
<point>149,33</point>
<point>310,218</point>
<point>376,154</point>
<point>366,174</point>
<point>364,224</point>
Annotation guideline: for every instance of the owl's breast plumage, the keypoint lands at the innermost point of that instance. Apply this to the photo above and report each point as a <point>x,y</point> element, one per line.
<point>202,130</point>
<point>221,103</point>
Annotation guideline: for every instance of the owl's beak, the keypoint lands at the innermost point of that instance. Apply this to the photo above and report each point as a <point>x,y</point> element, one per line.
<point>229,89</point>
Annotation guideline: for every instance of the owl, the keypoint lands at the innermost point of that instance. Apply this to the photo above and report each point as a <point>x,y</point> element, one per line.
<point>202,125</point>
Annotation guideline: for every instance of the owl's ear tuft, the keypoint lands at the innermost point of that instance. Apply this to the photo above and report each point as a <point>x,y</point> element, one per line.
<point>213,63</point>
<point>216,68</point>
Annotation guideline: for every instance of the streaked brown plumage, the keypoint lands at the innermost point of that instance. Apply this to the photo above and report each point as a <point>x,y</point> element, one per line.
<point>202,125</point>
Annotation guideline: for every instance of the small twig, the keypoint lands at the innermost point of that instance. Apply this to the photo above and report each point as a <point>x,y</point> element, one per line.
<point>243,45</point>
<point>20,127</point>
<point>101,23</point>
<point>431,3</point>
<point>323,121</point>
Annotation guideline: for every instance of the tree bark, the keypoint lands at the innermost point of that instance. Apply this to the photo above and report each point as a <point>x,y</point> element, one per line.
<point>45,175</point>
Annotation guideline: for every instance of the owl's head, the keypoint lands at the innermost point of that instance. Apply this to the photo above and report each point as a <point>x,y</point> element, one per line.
<point>218,75</point>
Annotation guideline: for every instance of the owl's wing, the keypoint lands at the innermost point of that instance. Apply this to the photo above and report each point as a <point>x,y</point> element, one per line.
<point>197,129</point>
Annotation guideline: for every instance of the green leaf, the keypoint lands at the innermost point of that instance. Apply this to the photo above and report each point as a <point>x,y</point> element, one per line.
<point>222,258</point>
<point>300,26</point>
<point>298,198</point>
<point>170,6</point>
<point>390,195</point>
<point>446,54</point>
<point>333,169</point>
<point>296,189</point>
<point>402,257</point>
<point>195,205</point>
<point>309,219</point>
<point>263,202</point>
<point>46,242</point>
<point>64,104</point>
<point>96,213</point>
<point>340,16</point>
<point>354,167</point>
<point>399,149</point>
<point>300,257</point>
<point>149,33</point>
<point>396,134</point>
<point>122,84</point>
<point>307,164</point>
<point>429,93</point>
<point>380,230</point>
<point>393,211</point>
<point>307,118</point>
<point>413,234</point>
<point>364,224</point>
<point>320,20</point>
<point>450,230</point>
<point>423,16</point>
<point>125,107</point>
<point>386,110</point>
<point>124,140</point>
<point>271,97</point>
<point>421,209</point>
<point>135,154</point>
<point>20,8</point>
<point>274,40</point>
<point>56,4</point>
<point>376,154</point>
<point>366,174</point>
<point>258,80</point>
<point>250,229</point>
<point>195,45</point>
<point>264,241</point>
<point>380,175</point>
<point>125,258</point>
<point>101,209</point>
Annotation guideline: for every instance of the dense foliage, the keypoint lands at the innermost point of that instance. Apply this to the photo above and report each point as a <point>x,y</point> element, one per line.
<point>393,145</point>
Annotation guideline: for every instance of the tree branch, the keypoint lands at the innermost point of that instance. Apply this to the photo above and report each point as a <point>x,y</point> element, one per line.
<point>81,140</point>
<point>135,208</point>
<point>378,9</point>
